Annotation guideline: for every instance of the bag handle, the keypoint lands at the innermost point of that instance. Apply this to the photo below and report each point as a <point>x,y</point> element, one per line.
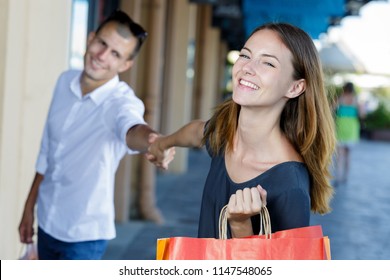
<point>265,223</point>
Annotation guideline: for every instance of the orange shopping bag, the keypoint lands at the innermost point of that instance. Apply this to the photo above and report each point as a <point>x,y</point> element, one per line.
<point>306,243</point>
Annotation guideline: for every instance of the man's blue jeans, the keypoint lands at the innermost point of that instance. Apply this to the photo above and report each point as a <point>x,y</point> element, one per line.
<point>50,248</point>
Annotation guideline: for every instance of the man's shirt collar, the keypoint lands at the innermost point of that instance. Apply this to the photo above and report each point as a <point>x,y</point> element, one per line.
<point>98,95</point>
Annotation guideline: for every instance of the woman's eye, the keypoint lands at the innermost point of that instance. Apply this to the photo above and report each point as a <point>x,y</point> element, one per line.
<point>269,64</point>
<point>244,56</point>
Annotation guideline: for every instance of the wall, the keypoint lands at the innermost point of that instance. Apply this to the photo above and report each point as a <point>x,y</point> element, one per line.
<point>34,43</point>
<point>33,51</point>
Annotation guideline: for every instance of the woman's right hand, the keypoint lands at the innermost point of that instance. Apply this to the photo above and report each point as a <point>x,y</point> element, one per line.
<point>242,206</point>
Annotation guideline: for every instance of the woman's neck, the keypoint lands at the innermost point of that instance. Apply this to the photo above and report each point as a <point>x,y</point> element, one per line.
<point>259,137</point>
<point>257,129</point>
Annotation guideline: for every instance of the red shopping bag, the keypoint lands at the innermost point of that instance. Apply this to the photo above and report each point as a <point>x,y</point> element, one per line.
<point>306,243</point>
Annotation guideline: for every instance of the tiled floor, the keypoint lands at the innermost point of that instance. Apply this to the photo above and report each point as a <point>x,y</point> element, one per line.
<point>358,227</point>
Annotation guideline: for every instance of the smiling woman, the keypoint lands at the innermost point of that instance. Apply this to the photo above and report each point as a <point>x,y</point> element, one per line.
<point>271,143</point>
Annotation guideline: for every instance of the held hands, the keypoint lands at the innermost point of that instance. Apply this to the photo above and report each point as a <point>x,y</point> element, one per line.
<point>157,153</point>
<point>242,205</point>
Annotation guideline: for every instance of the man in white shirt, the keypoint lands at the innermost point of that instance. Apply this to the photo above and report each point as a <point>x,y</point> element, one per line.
<point>93,121</point>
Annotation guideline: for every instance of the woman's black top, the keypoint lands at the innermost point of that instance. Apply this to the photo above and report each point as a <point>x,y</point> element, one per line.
<point>288,197</point>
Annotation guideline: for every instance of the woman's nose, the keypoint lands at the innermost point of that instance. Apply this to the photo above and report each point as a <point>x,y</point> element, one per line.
<point>247,68</point>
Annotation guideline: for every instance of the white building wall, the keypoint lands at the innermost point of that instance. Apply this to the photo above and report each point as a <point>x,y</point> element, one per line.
<point>34,37</point>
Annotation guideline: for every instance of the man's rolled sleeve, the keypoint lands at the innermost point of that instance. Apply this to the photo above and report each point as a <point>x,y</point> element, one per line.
<point>129,116</point>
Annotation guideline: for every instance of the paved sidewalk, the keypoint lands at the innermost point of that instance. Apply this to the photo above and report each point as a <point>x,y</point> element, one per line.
<point>358,227</point>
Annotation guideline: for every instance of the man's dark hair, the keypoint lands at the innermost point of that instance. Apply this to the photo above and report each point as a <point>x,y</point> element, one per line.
<point>123,20</point>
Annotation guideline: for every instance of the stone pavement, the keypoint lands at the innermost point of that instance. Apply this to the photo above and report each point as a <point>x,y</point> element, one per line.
<point>358,226</point>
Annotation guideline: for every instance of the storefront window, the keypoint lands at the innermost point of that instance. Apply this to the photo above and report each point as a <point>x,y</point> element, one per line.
<point>78,35</point>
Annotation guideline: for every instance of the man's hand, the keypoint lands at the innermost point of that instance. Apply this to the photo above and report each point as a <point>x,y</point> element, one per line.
<point>157,153</point>
<point>26,230</point>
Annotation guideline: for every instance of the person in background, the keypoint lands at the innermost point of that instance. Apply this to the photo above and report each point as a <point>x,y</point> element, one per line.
<point>93,121</point>
<point>348,115</point>
<point>271,143</point>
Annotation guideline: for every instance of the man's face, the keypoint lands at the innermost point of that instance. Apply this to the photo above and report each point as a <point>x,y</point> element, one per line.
<point>107,54</point>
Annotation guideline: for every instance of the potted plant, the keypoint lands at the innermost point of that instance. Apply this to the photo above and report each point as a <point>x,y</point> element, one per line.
<point>377,123</point>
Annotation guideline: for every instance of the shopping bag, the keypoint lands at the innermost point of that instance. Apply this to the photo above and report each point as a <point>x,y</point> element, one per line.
<point>29,252</point>
<point>306,243</point>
